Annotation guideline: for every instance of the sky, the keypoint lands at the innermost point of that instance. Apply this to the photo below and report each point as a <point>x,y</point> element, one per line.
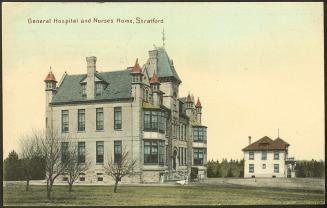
<point>257,67</point>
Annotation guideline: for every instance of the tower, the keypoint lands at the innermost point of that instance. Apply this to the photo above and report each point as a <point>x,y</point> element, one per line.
<point>137,80</point>
<point>157,94</point>
<point>50,86</point>
<point>50,91</point>
<point>189,106</point>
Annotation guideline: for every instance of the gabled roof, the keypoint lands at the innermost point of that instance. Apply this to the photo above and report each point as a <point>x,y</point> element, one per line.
<point>119,87</point>
<point>50,77</point>
<point>265,143</point>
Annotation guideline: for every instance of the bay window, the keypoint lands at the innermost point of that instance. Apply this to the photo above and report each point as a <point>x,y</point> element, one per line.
<point>154,121</point>
<point>199,134</point>
<point>198,156</point>
<point>154,152</point>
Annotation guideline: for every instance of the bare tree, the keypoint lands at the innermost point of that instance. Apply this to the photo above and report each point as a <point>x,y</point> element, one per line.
<point>76,163</point>
<point>30,150</point>
<point>51,144</point>
<point>120,168</point>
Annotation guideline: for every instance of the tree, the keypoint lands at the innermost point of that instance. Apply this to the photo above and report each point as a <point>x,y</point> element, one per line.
<point>122,167</point>
<point>50,144</point>
<point>75,164</point>
<point>30,151</point>
<point>12,167</point>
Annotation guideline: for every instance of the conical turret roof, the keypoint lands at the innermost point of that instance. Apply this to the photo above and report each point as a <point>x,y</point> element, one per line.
<point>50,77</point>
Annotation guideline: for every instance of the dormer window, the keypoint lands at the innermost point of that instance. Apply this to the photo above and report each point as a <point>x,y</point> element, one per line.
<point>83,89</point>
<point>98,88</point>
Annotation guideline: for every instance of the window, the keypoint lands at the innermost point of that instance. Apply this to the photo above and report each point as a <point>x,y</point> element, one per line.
<point>251,168</point>
<point>276,168</point>
<point>98,88</point>
<point>263,166</point>
<point>185,154</point>
<point>117,151</point>
<point>251,155</point>
<point>154,121</point>
<point>198,155</point>
<point>81,120</point>
<point>264,155</point>
<point>154,152</point>
<point>100,176</point>
<point>82,177</point>
<point>99,152</point>
<point>81,152</point>
<point>117,118</point>
<point>150,152</point>
<point>99,119</point>
<point>83,89</point>
<point>199,134</point>
<point>161,152</point>
<point>64,121</point>
<point>146,95</point>
<point>182,152</point>
<point>276,155</point>
<point>64,152</point>
<point>179,156</point>
<point>185,132</point>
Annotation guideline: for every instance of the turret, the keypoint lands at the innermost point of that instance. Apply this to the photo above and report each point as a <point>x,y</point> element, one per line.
<point>155,85</point>
<point>137,77</point>
<point>198,109</point>
<point>50,91</point>
<point>189,105</point>
<point>136,73</point>
<point>50,86</point>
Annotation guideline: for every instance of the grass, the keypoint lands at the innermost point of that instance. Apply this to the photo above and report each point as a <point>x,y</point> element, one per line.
<point>158,195</point>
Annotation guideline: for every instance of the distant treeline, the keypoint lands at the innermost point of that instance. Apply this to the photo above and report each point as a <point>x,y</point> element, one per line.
<point>310,169</point>
<point>225,168</point>
<point>235,168</point>
<point>13,168</point>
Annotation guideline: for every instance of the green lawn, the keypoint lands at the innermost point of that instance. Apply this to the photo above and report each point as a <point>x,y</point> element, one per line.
<point>158,195</point>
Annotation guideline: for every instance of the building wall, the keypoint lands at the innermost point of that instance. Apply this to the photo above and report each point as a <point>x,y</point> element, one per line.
<point>129,134</point>
<point>258,164</point>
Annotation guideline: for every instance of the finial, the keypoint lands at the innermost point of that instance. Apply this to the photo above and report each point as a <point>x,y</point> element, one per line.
<point>278,133</point>
<point>163,37</point>
<point>50,68</point>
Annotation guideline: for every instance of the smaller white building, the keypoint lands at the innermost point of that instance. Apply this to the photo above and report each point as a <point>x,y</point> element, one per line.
<point>268,158</point>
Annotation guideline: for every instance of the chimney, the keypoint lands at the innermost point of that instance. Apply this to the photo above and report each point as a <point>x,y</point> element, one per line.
<point>249,140</point>
<point>91,69</point>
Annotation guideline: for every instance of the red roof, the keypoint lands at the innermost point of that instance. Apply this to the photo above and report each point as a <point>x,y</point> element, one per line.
<point>50,77</point>
<point>136,69</point>
<point>198,104</point>
<point>154,79</point>
<point>189,99</point>
<point>265,143</point>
